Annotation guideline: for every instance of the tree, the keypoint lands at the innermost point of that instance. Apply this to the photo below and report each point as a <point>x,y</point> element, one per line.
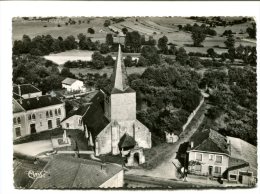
<point>91,31</point>
<point>150,53</point>
<point>230,42</point>
<point>232,54</point>
<point>142,62</point>
<point>252,31</point>
<point>212,53</point>
<point>133,41</point>
<point>198,36</point>
<point>109,61</point>
<point>109,39</point>
<point>107,23</point>
<point>162,44</point>
<point>182,56</point>
<point>65,72</point>
<point>98,60</point>
<point>151,41</point>
<point>128,61</point>
<point>104,49</point>
<point>70,43</point>
<point>124,30</point>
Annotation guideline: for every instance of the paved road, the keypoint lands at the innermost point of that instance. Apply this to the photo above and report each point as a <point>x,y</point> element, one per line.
<point>33,148</point>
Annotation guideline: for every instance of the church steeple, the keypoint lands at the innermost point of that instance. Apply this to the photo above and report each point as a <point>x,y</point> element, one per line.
<point>119,76</point>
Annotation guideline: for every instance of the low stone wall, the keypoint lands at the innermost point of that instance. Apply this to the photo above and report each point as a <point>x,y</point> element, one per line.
<point>192,115</point>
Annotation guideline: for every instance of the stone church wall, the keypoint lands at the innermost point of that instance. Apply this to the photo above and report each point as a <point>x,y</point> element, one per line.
<point>142,135</point>
<point>123,106</point>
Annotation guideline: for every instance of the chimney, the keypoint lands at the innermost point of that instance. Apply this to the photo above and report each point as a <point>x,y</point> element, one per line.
<point>191,144</point>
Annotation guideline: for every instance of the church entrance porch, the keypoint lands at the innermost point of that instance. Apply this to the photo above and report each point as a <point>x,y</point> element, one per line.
<point>136,157</point>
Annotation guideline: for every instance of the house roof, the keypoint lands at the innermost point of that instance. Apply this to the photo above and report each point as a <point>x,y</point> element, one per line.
<point>17,107</point>
<point>25,89</point>
<point>69,81</point>
<point>95,118</point>
<point>126,141</point>
<point>39,102</point>
<point>81,111</point>
<point>209,140</point>
<point>241,150</point>
<point>68,172</point>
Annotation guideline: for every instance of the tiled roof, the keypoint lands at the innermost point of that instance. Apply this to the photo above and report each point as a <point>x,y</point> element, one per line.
<point>25,89</point>
<point>210,141</point>
<point>68,81</point>
<point>39,102</point>
<point>94,118</point>
<point>68,172</point>
<point>126,141</point>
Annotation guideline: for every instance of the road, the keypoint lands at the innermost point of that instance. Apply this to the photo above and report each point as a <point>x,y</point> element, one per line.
<point>134,181</point>
<point>166,169</point>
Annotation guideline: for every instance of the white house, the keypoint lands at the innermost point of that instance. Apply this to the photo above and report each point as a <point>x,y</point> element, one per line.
<point>73,85</point>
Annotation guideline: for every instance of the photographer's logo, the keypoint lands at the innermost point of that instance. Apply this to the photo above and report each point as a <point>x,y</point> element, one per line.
<point>36,175</point>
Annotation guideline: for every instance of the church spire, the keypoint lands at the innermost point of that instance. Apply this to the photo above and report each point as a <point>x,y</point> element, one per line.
<point>119,76</point>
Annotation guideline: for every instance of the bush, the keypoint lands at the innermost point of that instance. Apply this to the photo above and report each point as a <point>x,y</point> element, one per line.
<point>91,31</point>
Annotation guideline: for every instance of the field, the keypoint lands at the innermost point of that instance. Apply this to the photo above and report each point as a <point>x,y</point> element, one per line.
<point>83,55</point>
<point>148,26</point>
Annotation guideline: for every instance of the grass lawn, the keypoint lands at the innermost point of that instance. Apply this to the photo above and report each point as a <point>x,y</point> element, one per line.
<point>76,134</point>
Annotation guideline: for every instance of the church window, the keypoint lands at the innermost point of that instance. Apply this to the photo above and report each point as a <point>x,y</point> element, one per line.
<point>56,112</point>
<point>47,114</point>
<point>33,116</point>
<point>50,113</point>
<point>18,120</point>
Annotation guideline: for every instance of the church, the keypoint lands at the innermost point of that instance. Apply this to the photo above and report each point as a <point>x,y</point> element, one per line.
<point>111,122</point>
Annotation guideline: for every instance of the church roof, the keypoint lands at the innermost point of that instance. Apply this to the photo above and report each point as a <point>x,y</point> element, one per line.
<point>95,118</point>
<point>126,141</point>
<point>119,75</point>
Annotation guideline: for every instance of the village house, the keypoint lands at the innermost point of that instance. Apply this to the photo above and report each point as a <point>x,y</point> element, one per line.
<point>73,85</point>
<point>67,172</point>
<point>214,155</point>
<point>35,114</point>
<point>74,119</point>
<point>112,114</point>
